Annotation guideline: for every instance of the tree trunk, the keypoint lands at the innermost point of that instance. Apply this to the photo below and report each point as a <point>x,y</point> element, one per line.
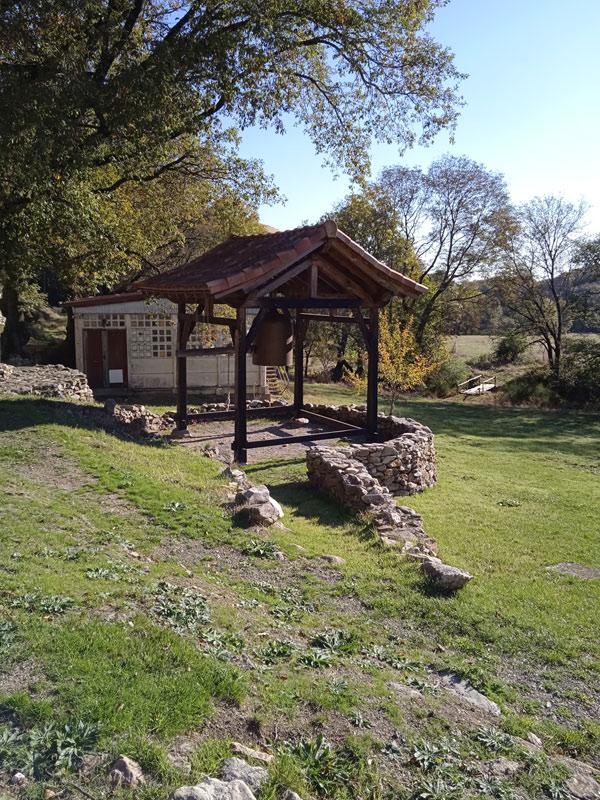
<point>424,319</point>
<point>65,353</point>
<point>16,331</point>
<point>307,354</point>
<point>341,364</point>
<point>392,401</point>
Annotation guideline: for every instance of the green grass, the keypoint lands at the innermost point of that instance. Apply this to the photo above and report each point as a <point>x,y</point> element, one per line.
<point>93,523</point>
<point>139,680</point>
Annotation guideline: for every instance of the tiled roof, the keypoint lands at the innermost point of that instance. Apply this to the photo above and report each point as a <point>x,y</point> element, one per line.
<point>105,299</point>
<point>242,264</point>
<point>238,260</point>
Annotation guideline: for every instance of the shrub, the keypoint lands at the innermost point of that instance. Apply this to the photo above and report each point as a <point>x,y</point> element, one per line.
<point>443,380</point>
<point>482,361</point>
<point>532,388</point>
<point>580,377</point>
<point>578,384</point>
<point>42,751</point>
<point>509,348</point>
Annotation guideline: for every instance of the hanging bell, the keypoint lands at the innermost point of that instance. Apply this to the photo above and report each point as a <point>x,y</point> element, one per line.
<point>274,340</point>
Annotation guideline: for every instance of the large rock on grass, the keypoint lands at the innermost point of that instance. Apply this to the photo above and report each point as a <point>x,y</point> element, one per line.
<point>261,508</point>
<point>213,789</point>
<point>583,786</point>
<point>464,690</point>
<point>443,576</point>
<point>236,769</point>
<point>127,773</point>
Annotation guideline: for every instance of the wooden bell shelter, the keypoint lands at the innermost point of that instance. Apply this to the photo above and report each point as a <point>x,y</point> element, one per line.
<point>309,274</point>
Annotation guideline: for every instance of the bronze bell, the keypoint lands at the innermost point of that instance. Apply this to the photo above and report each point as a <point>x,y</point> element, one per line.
<point>274,340</point>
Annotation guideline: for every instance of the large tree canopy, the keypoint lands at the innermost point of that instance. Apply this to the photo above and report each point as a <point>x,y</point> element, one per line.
<point>114,81</point>
<point>542,277</point>
<point>102,98</point>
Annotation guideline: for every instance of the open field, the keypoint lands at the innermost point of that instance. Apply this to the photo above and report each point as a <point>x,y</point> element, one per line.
<point>131,601</point>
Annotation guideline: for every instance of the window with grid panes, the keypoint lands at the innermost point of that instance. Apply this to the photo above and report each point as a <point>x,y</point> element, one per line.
<point>103,320</point>
<point>151,336</point>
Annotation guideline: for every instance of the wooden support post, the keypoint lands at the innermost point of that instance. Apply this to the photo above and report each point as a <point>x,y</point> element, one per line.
<point>299,330</point>
<point>240,431</point>
<point>373,372</point>
<point>182,337</point>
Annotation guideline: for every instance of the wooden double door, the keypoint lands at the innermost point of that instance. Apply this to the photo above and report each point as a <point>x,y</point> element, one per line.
<point>106,358</point>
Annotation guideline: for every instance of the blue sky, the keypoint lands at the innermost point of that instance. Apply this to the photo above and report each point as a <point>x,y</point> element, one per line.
<point>532,109</point>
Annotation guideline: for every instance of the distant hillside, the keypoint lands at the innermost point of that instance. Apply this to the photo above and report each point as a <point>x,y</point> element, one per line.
<point>483,313</point>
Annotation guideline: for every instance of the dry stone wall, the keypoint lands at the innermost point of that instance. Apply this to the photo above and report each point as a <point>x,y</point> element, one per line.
<point>44,380</point>
<point>404,462</point>
<point>363,477</point>
<point>334,471</point>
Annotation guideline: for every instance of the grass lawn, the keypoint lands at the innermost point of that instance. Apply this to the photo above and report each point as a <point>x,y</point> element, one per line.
<point>133,609</point>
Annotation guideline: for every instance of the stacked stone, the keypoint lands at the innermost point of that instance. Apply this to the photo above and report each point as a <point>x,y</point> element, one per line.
<point>405,462</point>
<point>230,406</point>
<point>335,472</point>
<point>44,380</point>
<point>137,417</point>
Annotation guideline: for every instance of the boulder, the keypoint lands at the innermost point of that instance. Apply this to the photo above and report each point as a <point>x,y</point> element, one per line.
<point>463,689</point>
<point>503,768</point>
<point>583,786</point>
<point>265,514</point>
<point>126,773</point>
<point>337,561</point>
<point>236,769</point>
<point>261,508</point>
<point>534,740</point>
<point>289,795</point>
<point>213,789</point>
<point>443,576</point>
<point>255,495</point>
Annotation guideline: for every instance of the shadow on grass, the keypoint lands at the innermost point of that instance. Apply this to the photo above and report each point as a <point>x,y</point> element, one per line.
<point>531,430</point>
<point>306,502</point>
<point>26,413</point>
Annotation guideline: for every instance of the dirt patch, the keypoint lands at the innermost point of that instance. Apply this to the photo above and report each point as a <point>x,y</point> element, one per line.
<point>55,471</point>
<point>190,554</point>
<point>576,570</point>
<point>19,678</point>
<point>559,695</point>
<point>219,435</point>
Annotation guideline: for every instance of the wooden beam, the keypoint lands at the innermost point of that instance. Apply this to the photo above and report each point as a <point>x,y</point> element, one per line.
<point>268,411</point>
<point>346,281</point>
<point>329,318</point>
<point>306,437</point>
<point>183,332</point>
<point>299,332</point>
<point>206,351</point>
<point>373,373</point>
<point>307,302</point>
<point>331,420</point>
<point>229,321</point>
<point>314,279</point>
<point>272,283</point>
<point>240,427</point>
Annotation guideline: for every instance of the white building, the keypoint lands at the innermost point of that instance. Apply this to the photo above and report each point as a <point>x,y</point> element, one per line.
<point>123,341</point>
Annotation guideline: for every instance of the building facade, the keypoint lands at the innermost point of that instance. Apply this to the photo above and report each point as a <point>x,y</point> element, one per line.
<point>125,342</point>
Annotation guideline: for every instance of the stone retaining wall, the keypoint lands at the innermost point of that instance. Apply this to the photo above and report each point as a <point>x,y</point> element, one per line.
<point>44,380</point>
<point>404,462</point>
<point>336,472</point>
